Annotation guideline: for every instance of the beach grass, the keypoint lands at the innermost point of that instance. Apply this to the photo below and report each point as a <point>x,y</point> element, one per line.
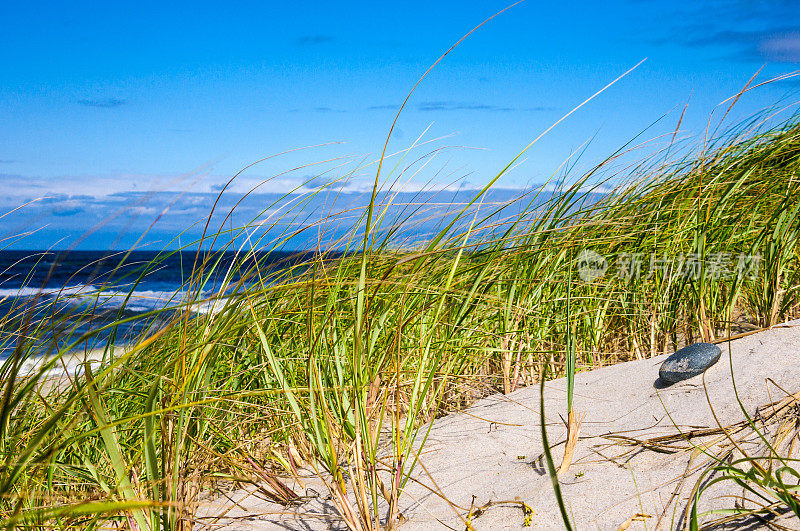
<point>339,363</point>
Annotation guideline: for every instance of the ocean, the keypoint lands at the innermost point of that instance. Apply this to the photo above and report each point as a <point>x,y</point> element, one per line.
<point>64,295</point>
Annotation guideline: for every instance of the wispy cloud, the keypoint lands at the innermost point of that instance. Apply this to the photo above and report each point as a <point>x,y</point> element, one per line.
<point>775,44</point>
<point>460,106</point>
<point>8,161</point>
<point>19,189</point>
<point>784,48</point>
<point>103,103</point>
<point>310,40</point>
<point>166,213</point>
<point>327,109</point>
<point>320,109</point>
<point>67,210</point>
<point>313,182</point>
<point>749,31</point>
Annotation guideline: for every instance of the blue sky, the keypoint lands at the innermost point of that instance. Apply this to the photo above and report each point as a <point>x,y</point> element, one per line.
<point>103,104</point>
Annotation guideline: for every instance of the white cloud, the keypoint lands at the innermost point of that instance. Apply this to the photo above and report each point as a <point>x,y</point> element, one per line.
<point>781,47</point>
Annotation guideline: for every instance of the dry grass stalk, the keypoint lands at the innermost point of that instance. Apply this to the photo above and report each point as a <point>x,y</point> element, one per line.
<point>638,517</point>
<point>574,421</point>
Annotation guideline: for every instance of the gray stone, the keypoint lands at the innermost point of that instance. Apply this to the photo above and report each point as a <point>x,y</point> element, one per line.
<point>689,361</point>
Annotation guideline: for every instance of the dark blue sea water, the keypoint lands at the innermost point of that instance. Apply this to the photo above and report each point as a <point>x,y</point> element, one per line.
<point>59,296</point>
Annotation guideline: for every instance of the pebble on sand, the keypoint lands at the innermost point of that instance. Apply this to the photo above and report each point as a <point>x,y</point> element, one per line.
<point>689,361</point>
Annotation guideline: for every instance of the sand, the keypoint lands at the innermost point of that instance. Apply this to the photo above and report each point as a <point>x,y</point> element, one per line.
<point>492,451</point>
<point>69,362</point>
<point>68,367</point>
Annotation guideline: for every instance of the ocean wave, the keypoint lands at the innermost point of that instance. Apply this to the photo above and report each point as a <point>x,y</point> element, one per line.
<point>26,291</point>
<point>211,305</point>
<point>137,301</point>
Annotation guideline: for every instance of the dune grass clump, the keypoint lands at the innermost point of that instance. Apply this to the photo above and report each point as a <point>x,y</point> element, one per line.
<point>768,474</point>
<point>337,363</point>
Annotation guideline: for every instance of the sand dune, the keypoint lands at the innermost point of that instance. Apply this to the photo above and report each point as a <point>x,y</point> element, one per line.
<point>492,451</point>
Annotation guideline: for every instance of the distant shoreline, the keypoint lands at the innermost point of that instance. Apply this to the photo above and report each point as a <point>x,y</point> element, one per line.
<point>69,363</point>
